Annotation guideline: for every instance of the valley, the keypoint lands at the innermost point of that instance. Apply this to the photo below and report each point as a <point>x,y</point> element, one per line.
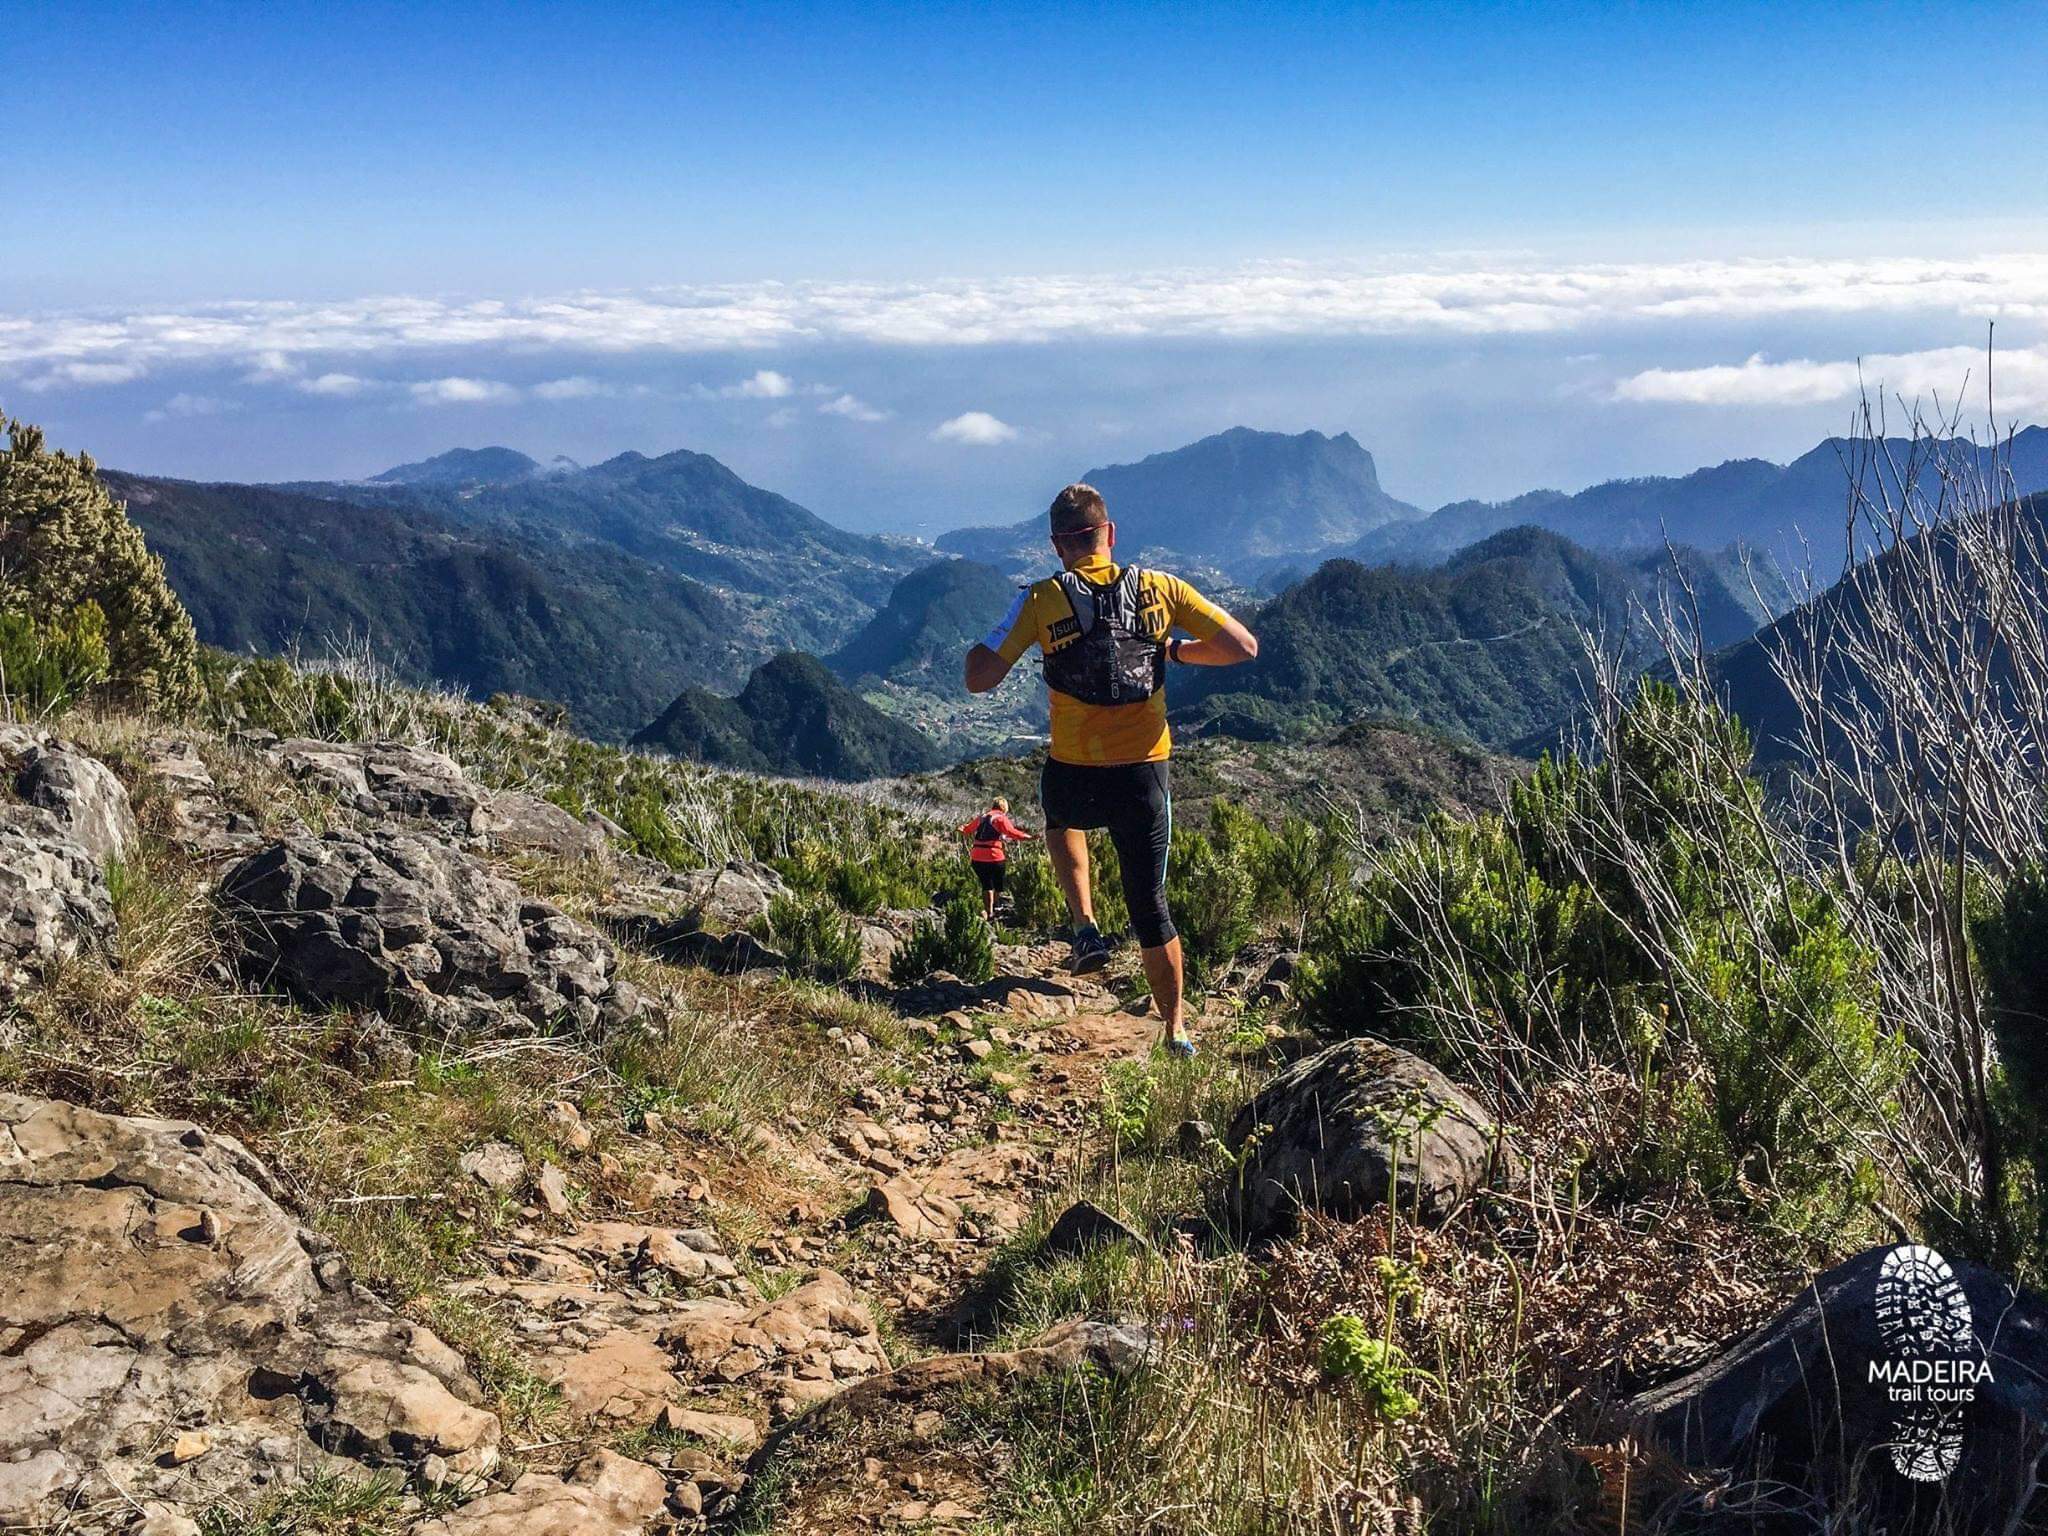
<point>642,595</point>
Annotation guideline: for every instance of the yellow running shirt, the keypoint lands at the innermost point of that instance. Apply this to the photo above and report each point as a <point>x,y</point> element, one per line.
<point>1105,733</point>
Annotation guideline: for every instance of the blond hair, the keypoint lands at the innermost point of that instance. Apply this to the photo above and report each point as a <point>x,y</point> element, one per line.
<point>999,804</point>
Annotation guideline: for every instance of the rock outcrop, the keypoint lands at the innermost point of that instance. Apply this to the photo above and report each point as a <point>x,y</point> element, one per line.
<point>406,783</point>
<point>684,940</point>
<point>196,817</point>
<point>54,902</point>
<point>168,1332</point>
<point>1912,1389</point>
<point>605,1494</point>
<point>413,927</point>
<point>1341,1129</point>
<point>727,896</point>
<point>83,796</point>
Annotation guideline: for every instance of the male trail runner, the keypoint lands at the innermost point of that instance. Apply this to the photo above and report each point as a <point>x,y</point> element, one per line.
<point>1104,632</point>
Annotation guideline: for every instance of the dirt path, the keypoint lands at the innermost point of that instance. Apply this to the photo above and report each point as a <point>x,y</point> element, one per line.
<point>878,1229</point>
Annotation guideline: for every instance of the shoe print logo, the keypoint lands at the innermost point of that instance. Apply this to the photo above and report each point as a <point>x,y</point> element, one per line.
<point>1931,1366</point>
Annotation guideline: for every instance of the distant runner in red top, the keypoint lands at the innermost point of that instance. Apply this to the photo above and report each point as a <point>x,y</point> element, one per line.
<point>989,831</point>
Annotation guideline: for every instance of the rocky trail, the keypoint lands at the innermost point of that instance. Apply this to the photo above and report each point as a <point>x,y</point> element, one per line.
<point>892,1214</point>
<point>173,1340</point>
<point>678,1241</point>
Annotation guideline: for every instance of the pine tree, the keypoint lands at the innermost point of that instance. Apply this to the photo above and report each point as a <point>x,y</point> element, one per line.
<point>64,544</point>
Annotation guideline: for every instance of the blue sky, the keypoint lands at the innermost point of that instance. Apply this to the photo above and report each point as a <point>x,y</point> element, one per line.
<point>1505,245</point>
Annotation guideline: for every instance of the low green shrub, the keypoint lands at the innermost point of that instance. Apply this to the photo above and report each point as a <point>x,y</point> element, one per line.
<point>1351,1353</point>
<point>1036,903</point>
<point>1632,909</point>
<point>2011,940</point>
<point>44,666</point>
<point>958,940</point>
<point>1210,894</point>
<point>1293,868</point>
<point>821,941</point>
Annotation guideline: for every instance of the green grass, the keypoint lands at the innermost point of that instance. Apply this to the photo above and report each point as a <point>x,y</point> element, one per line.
<point>329,1504</point>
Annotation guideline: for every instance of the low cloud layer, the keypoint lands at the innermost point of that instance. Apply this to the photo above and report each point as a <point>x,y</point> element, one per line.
<point>281,340</point>
<point>2018,377</point>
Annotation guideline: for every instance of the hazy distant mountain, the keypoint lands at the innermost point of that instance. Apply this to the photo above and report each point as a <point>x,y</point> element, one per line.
<point>1749,682</point>
<point>684,512</point>
<point>1487,644</point>
<point>930,620</point>
<point>472,466</point>
<point>793,717</point>
<point>273,571</point>
<point>1763,506</point>
<point>1241,500</point>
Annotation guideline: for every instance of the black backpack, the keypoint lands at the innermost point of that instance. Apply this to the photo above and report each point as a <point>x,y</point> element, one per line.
<point>985,830</point>
<point>1112,660</point>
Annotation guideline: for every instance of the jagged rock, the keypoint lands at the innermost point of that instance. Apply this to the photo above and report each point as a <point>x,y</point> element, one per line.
<point>383,778</point>
<point>1330,1130</point>
<point>804,1343</point>
<point>154,1289</point>
<point>720,1428</point>
<point>400,923</point>
<point>935,1200</point>
<point>392,779</point>
<point>1806,1400</point>
<point>1085,1225</point>
<point>54,902</point>
<point>624,1376</point>
<point>912,1210</point>
<point>199,818</point>
<point>523,823</point>
<point>605,1494</point>
<point>731,896</point>
<point>496,1165</point>
<point>566,1123</point>
<point>164,1520</point>
<point>553,1188</point>
<point>84,797</point>
<point>1277,984</point>
<point>878,946</point>
<point>685,941</point>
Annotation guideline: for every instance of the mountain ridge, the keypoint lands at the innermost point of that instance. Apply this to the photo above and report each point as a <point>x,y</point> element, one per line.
<point>279,572</point>
<point>1487,644</point>
<point>1241,499</point>
<point>793,717</point>
<point>1776,510</point>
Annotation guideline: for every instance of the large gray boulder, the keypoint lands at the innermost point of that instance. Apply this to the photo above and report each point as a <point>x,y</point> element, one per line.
<point>166,1330</point>
<point>1335,1130</point>
<point>393,780</point>
<point>84,797</point>
<point>54,902</point>
<point>413,927</point>
<point>1900,1386</point>
<point>193,812</point>
<point>728,895</point>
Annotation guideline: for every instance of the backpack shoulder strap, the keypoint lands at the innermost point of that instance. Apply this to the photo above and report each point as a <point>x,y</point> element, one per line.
<point>1078,595</point>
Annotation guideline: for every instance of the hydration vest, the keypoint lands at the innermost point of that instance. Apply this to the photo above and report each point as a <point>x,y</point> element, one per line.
<point>985,831</point>
<point>1112,660</point>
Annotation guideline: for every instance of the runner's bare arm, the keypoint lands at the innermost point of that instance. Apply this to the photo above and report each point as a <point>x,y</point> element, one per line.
<point>1231,644</point>
<point>989,662</point>
<point>985,669</point>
